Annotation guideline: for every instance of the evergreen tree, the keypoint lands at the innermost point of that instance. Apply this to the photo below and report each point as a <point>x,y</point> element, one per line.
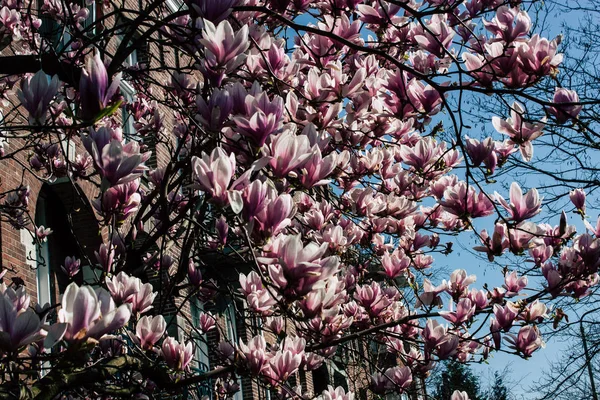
<point>499,391</point>
<point>456,376</point>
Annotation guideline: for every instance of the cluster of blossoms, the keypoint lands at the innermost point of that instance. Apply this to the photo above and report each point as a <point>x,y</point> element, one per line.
<point>316,173</point>
<point>89,314</point>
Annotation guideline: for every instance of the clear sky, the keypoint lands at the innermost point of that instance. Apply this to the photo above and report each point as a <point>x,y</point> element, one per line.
<point>522,374</point>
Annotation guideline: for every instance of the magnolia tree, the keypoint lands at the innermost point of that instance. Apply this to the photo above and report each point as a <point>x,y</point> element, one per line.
<point>315,163</point>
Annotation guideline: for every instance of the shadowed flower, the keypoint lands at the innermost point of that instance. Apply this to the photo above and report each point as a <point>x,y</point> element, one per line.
<point>561,112</point>
<point>18,326</point>
<point>71,266</point>
<point>95,93</point>
<point>36,94</point>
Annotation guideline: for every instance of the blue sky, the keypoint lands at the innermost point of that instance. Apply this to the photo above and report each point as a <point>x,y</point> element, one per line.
<point>522,373</point>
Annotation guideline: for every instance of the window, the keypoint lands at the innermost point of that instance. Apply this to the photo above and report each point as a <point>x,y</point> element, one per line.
<point>200,341</point>
<point>231,332</point>
<point>43,276</point>
<point>61,208</point>
<point>174,5</point>
<point>3,133</point>
<point>60,37</point>
<point>128,123</point>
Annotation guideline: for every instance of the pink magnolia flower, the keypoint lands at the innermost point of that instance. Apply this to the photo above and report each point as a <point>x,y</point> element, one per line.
<point>313,361</point>
<point>400,378</point>
<point>119,201</point>
<point>222,228</point>
<point>437,37</point>
<point>425,153</point>
<point>105,256</point>
<point>520,132</point>
<point>216,111</point>
<point>298,268</point>
<point>535,312</point>
<point>595,230</point>
<point>254,354</point>
<point>462,201</point>
<point>448,347</point>
<point>336,394</point>
<point>431,294</point>
<point>177,355</point>
<point>288,152</point>
<point>561,112</point>
<point>223,49</point>
<point>213,10</point>
<point>465,309</point>
<point>18,326</point>
<point>372,298</point>
<point>71,266</point>
<point>258,297</point>
<point>275,324</point>
<point>11,19</point>
<point>379,383</point>
<point>95,93</point>
<point>263,117</point>
<point>127,289</point>
<point>520,236</point>
<point>35,95</point>
<point>513,284</point>
<point>206,322</point>
<point>479,298</point>
<point>459,395</point>
<point>42,233</point>
<point>213,174</point>
<point>18,297</point>
<point>378,14</point>
<point>459,282</point>
<point>255,197</point>
<point>194,274</point>
<point>479,68</point>
<point>395,264</point>
<point>526,341</point>
<point>505,315</point>
<point>479,152</point>
<point>577,197</point>
<point>282,365</point>
<point>538,56</point>
<point>424,98</point>
<point>521,207</point>
<point>509,24</point>
<point>116,162</point>
<point>317,168</point>
<point>504,149</point>
<point>541,253</point>
<point>149,330</point>
<point>122,287</point>
<point>276,216</point>
<point>497,244</point>
<point>434,333</point>
<point>90,314</point>
<point>143,298</point>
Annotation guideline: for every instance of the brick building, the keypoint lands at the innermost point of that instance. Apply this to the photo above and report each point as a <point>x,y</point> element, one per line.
<point>65,206</point>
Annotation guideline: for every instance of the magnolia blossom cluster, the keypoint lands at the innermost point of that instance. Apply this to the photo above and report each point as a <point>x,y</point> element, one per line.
<point>89,315</point>
<point>318,169</point>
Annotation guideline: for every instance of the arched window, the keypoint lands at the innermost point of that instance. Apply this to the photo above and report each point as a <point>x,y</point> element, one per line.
<point>232,336</point>
<point>62,207</point>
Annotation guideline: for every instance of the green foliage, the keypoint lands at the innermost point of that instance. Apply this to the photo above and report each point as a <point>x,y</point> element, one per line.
<point>456,376</point>
<point>498,391</point>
